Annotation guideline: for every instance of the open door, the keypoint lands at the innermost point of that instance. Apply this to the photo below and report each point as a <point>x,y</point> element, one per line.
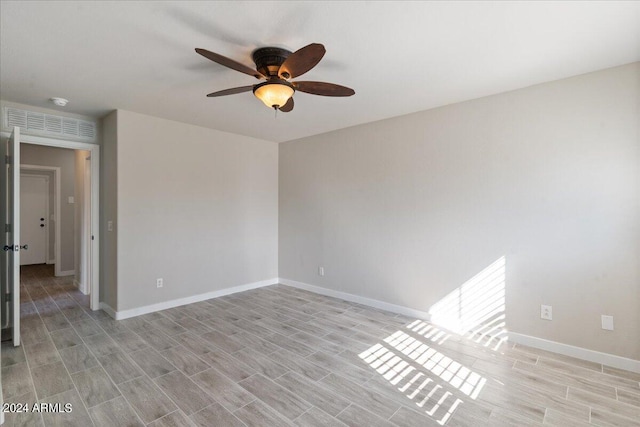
<point>10,220</point>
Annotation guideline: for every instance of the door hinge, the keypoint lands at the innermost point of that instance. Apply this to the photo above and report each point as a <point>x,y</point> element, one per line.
<point>8,297</point>
<point>93,238</point>
<point>7,159</point>
<point>7,228</point>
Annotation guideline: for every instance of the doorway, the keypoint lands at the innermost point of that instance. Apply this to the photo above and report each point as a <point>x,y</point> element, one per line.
<point>90,233</point>
<point>34,218</point>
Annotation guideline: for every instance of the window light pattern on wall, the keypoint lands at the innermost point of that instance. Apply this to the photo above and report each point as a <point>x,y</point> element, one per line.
<point>476,309</point>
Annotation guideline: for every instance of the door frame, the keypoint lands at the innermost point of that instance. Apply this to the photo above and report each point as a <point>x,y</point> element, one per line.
<point>94,149</point>
<point>33,170</point>
<point>85,254</point>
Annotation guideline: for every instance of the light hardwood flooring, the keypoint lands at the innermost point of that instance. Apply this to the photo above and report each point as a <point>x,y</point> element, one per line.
<point>279,356</point>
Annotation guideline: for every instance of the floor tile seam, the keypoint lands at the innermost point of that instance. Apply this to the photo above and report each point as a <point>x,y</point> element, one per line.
<point>570,377</point>
<point>144,374</point>
<point>585,370</point>
<point>635,394</point>
<point>515,382</point>
<point>279,385</point>
<point>299,416</point>
<point>560,358</point>
<point>247,404</point>
<point>208,406</point>
<point>173,401</point>
<point>617,414</point>
<point>371,391</point>
<point>321,386</point>
<point>75,387</point>
<point>130,360</point>
<point>351,403</point>
<point>410,403</point>
<point>33,384</point>
<point>602,408</point>
<point>413,363</point>
<point>48,334</point>
<point>115,398</point>
<point>227,378</point>
<point>392,415</point>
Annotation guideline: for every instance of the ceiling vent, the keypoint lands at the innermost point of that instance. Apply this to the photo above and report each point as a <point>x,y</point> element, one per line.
<point>34,123</point>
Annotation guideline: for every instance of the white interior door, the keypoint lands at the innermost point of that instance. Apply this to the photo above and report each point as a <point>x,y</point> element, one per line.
<point>10,220</point>
<point>34,201</point>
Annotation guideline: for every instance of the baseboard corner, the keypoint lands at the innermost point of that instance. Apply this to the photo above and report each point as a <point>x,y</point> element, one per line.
<point>382,305</point>
<point>110,311</point>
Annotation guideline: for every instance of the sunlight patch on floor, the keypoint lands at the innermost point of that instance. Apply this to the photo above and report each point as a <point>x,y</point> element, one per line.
<point>417,370</point>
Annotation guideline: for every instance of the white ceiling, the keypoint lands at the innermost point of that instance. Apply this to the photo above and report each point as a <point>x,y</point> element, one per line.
<point>400,57</point>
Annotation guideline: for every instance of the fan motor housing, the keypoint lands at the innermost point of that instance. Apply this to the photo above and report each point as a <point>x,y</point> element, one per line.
<point>269,59</point>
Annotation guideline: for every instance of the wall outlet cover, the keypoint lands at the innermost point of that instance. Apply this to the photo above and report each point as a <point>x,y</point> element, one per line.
<point>546,312</point>
<point>607,322</point>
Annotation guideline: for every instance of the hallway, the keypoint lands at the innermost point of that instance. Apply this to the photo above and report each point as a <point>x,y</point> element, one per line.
<point>49,307</point>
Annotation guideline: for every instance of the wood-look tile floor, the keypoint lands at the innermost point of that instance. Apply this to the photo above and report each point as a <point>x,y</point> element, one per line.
<point>279,356</point>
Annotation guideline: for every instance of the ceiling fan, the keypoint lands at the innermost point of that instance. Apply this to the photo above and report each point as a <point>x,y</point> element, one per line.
<point>278,66</point>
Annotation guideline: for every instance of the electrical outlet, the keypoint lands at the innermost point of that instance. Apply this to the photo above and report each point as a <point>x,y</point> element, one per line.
<point>607,323</point>
<point>159,282</point>
<point>321,271</point>
<point>109,225</point>
<point>546,312</point>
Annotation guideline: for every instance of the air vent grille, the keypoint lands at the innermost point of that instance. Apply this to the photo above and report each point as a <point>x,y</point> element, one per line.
<point>16,118</point>
<point>35,121</point>
<point>53,124</point>
<point>48,124</point>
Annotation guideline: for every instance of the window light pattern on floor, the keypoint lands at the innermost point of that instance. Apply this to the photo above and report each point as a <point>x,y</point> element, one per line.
<point>435,382</point>
<point>422,373</point>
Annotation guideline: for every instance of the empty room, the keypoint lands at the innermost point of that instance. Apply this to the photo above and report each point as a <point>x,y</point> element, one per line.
<point>310,213</point>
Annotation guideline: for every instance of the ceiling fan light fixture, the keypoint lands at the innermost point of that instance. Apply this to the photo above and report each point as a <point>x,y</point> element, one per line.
<point>274,94</point>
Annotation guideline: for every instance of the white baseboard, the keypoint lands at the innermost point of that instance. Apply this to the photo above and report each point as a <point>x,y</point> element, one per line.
<point>556,347</point>
<point>125,314</point>
<point>66,273</point>
<point>361,300</point>
<point>543,344</point>
<point>80,287</point>
<point>578,352</point>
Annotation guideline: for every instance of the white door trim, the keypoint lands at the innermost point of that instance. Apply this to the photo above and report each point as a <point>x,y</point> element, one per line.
<point>56,207</point>
<point>85,255</point>
<point>95,202</point>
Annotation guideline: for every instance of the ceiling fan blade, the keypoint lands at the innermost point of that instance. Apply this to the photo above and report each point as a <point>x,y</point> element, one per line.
<point>324,89</point>
<point>288,106</point>
<point>231,91</point>
<point>230,63</point>
<point>301,61</point>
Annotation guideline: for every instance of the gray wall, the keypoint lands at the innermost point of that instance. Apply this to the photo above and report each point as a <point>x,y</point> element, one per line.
<point>195,206</point>
<point>407,210</point>
<point>108,211</point>
<point>65,160</point>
